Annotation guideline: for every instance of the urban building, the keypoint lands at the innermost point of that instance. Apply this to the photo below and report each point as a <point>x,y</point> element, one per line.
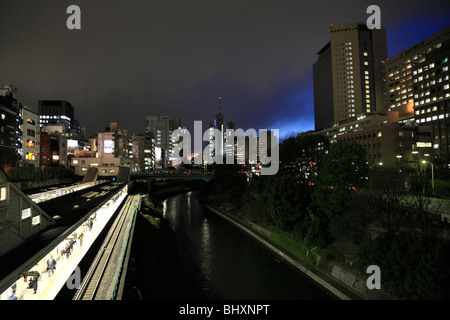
<point>114,143</point>
<point>45,152</point>
<point>8,126</point>
<point>29,139</point>
<point>230,148</point>
<point>246,147</point>
<point>161,127</point>
<point>349,75</point>
<point>143,152</point>
<point>106,144</point>
<point>58,150</point>
<point>386,140</point>
<point>399,71</point>
<point>57,112</point>
<point>226,142</point>
<point>105,167</point>
<point>183,137</point>
<point>419,88</point>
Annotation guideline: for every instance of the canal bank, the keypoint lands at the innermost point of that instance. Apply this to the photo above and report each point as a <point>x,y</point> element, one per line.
<point>330,284</point>
<point>342,290</point>
<point>203,256</point>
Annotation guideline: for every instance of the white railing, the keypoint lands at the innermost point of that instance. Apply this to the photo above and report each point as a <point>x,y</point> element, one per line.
<point>51,194</point>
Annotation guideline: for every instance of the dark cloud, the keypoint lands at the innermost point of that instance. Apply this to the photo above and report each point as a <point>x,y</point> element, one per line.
<point>138,58</point>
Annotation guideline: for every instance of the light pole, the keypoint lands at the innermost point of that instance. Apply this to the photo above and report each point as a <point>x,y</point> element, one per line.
<point>432,173</point>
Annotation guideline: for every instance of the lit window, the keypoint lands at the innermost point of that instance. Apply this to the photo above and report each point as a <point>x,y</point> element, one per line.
<point>26,213</point>
<point>2,193</point>
<point>30,156</point>
<point>36,220</point>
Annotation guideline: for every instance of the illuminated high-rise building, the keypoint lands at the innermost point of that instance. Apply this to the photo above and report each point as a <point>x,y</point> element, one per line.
<point>349,75</point>
<point>419,89</point>
<point>161,127</point>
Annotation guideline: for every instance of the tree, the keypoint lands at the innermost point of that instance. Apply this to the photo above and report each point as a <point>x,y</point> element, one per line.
<point>341,171</point>
<point>286,200</point>
<point>302,154</point>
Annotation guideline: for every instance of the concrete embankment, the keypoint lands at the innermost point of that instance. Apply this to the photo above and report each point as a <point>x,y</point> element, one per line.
<point>338,289</point>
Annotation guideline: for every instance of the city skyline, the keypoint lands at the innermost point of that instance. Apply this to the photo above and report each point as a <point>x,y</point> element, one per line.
<point>177,59</point>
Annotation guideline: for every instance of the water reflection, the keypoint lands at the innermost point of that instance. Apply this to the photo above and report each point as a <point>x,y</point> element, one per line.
<point>206,255</point>
<point>231,264</point>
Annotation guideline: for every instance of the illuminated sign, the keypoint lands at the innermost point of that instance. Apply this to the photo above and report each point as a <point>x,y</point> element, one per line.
<point>423,144</point>
<point>72,144</point>
<point>108,146</point>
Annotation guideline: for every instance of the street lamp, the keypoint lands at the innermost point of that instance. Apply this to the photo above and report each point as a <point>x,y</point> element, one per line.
<point>432,173</point>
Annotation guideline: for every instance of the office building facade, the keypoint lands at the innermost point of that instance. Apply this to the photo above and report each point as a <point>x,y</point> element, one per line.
<point>8,126</point>
<point>57,112</point>
<point>349,75</point>
<point>161,127</point>
<point>419,88</point>
<point>29,147</point>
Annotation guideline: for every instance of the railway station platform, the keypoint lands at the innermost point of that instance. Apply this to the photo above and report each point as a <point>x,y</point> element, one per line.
<point>49,285</point>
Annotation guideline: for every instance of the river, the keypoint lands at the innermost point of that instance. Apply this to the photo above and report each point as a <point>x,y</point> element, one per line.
<point>223,262</point>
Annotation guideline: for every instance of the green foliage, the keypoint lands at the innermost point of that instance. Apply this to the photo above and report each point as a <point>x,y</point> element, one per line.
<point>302,152</point>
<point>286,200</point>
<point>410,269</point>
<point>343,210</point>
<point>317,233</point>
<point>341,170</point>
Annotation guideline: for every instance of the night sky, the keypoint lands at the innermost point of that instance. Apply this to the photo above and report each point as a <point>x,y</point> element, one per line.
<point>137,58</point>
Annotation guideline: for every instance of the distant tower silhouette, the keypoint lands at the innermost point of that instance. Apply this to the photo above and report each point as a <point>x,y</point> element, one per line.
<point>219,117</point>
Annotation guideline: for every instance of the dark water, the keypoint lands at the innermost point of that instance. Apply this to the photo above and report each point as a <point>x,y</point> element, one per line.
<point>226,263</point>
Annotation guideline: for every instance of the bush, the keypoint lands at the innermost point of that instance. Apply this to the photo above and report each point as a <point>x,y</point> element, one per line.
<point>410,269</point>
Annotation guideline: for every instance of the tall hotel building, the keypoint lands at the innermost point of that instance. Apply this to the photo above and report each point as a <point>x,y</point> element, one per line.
<point>419,88</point>
<point>349,75</point>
